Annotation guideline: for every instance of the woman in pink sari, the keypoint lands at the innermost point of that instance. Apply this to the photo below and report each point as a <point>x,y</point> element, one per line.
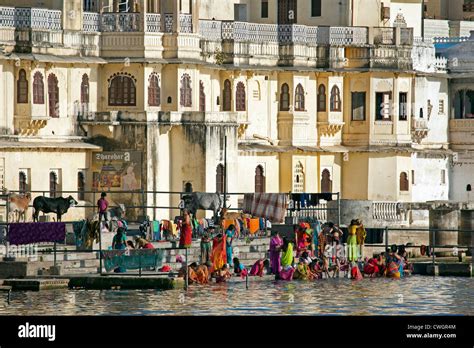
<point>276,244</point>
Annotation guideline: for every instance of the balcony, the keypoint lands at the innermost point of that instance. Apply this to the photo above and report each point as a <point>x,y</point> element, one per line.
<point>419,129</point>
<point>389,212</point>
<point>469,7</point>
<point>329,126</point>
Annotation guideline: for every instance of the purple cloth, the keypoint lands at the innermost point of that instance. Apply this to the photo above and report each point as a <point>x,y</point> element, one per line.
<point>36,232</point>
<point>275,258</point>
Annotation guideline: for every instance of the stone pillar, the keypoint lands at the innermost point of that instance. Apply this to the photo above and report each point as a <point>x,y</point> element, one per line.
<point>162,16</point>
<point>72,15</point>
<point>444,219</point>
<point>195,15</point>
<point>141,6</point>
<point>176,13</point>
<point>467,224</point>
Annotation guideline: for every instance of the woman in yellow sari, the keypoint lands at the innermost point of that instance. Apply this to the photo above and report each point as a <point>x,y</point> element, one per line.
<point>219,255</point>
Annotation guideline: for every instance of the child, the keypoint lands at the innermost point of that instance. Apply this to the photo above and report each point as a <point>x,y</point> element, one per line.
<point>102,205</point>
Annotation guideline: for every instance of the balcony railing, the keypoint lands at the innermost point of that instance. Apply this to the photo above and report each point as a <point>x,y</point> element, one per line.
<point>153,22</point>
<point>468,7</point>
<point>91,22</point>
<point>30,18</point>
<point>387,211</point>
<point>419,124</point>
<point>120,22</point>
<point>384,36</point>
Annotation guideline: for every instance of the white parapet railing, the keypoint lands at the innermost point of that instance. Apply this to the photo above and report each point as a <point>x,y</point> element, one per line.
<point>210,30</point>
<point>344,36</point>
<point>120,22</point>
<point>90,22</point>
<point>30,18</point>
<point>153,22</point>
<point>319,212</point>
<point>450,39</point>
<point>387,211</point>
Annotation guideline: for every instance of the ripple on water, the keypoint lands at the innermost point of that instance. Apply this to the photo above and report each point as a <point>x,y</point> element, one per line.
<point>410,296</point>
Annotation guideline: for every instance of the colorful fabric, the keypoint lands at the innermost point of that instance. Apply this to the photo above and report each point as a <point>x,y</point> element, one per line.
<point>287,273</point>
<point>229,238</point>
<point>355,273</point>
<point>257,269</point>
<point>132,259</point>
<point>102,204</point>
<point>271,206</point>
<point>219,256</point>
<point>254,225</point>
<point>37,232</point>
<point>186,237</point>
<point>275,261</point>
<point>156,233</point>
<point>371,267</point>
<point>287,258</point>
<point>352,246</point>
<point>361,234</point>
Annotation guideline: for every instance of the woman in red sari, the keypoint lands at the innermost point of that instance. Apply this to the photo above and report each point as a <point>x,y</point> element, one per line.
<point>186,237</point>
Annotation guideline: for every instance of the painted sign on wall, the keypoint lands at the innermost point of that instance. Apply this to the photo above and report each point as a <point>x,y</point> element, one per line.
<point>117,170</point>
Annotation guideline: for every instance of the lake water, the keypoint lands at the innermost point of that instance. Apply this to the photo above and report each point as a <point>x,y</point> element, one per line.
<point>416,295</point>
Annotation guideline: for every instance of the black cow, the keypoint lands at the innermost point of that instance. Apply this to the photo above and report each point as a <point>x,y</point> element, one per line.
<point>58,205</point>
<point>204,201</point>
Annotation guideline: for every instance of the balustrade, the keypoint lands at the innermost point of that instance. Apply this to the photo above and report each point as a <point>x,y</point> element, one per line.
<point>91,22</point>
<point>120,22</point>
<point>384,36</point>
<point>387,211</point>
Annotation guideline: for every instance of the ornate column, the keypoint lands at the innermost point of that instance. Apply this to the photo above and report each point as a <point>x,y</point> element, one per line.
<point>176,13</point>
<point>195,15</point>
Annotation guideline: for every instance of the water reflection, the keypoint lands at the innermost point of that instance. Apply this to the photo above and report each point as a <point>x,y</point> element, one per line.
<point>410,296</point>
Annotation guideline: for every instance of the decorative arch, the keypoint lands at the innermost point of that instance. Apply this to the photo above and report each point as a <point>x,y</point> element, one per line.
<point>299,178</point>
<point>154,90</point>
<point>285,97</point>
<point>53,184</point>
<point>122,90</point>
<point>335,99</point>
<point>188,187</point>
<point>22,182</point>
<point>38,88</point>
<point>53,95</point>
<point>240,103</point>
<point>404,185</point>
<point>326,182</point>
<point>299,98</point>
<point>227,95</point>
<point>22,88</point>
<point>259,180</point>
<point>322,98</point>
<point>186,91</point>
<point>81,186</point>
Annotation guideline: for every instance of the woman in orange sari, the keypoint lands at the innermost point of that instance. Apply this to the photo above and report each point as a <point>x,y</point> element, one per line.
<point>219,255</point>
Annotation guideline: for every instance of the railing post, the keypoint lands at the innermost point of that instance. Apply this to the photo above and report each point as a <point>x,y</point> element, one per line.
<point>139,263</point>
<point>386,238</point>
<point>433,243</point>
<point>54,250</point>
<point>144,204</point>
<point>186,281</point>
<point>100,249</point>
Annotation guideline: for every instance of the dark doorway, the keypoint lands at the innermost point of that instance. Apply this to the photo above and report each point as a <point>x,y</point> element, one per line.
<point>287,11</point>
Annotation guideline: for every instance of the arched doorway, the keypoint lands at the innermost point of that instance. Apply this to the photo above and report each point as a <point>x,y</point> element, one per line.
<point>326,182</point>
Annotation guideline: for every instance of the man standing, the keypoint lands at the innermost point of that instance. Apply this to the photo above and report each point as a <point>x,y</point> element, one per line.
<point>102,204</point>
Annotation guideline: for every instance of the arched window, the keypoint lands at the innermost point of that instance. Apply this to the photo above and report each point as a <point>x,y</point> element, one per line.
<point>220,179</point>
<point>469,188</point>
<point>53,96</point>
<point>38,88</point>
<point>81,186</point>
<point>22,88</point>
<point>326,182</point>
<point>186,91</point>
<point>53,184</point>
<point>85,94</point>
<point>464,104</point>
<point>154,91</point>
<point>227,95</point>
<point>122,91</point>
<point>188,187</point>
<point>285,97</point>
<point>298,181</point>
<point>299,98</point>
<point>23,183</point>
<point>202,97</point>
<point>259,180</point>
<point>322,98</point>
<point>335,99</point>
<point>403,181</point>
<point>240,97</point>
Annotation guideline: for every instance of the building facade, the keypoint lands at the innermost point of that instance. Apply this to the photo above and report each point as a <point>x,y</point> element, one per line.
<point>149,95</point>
